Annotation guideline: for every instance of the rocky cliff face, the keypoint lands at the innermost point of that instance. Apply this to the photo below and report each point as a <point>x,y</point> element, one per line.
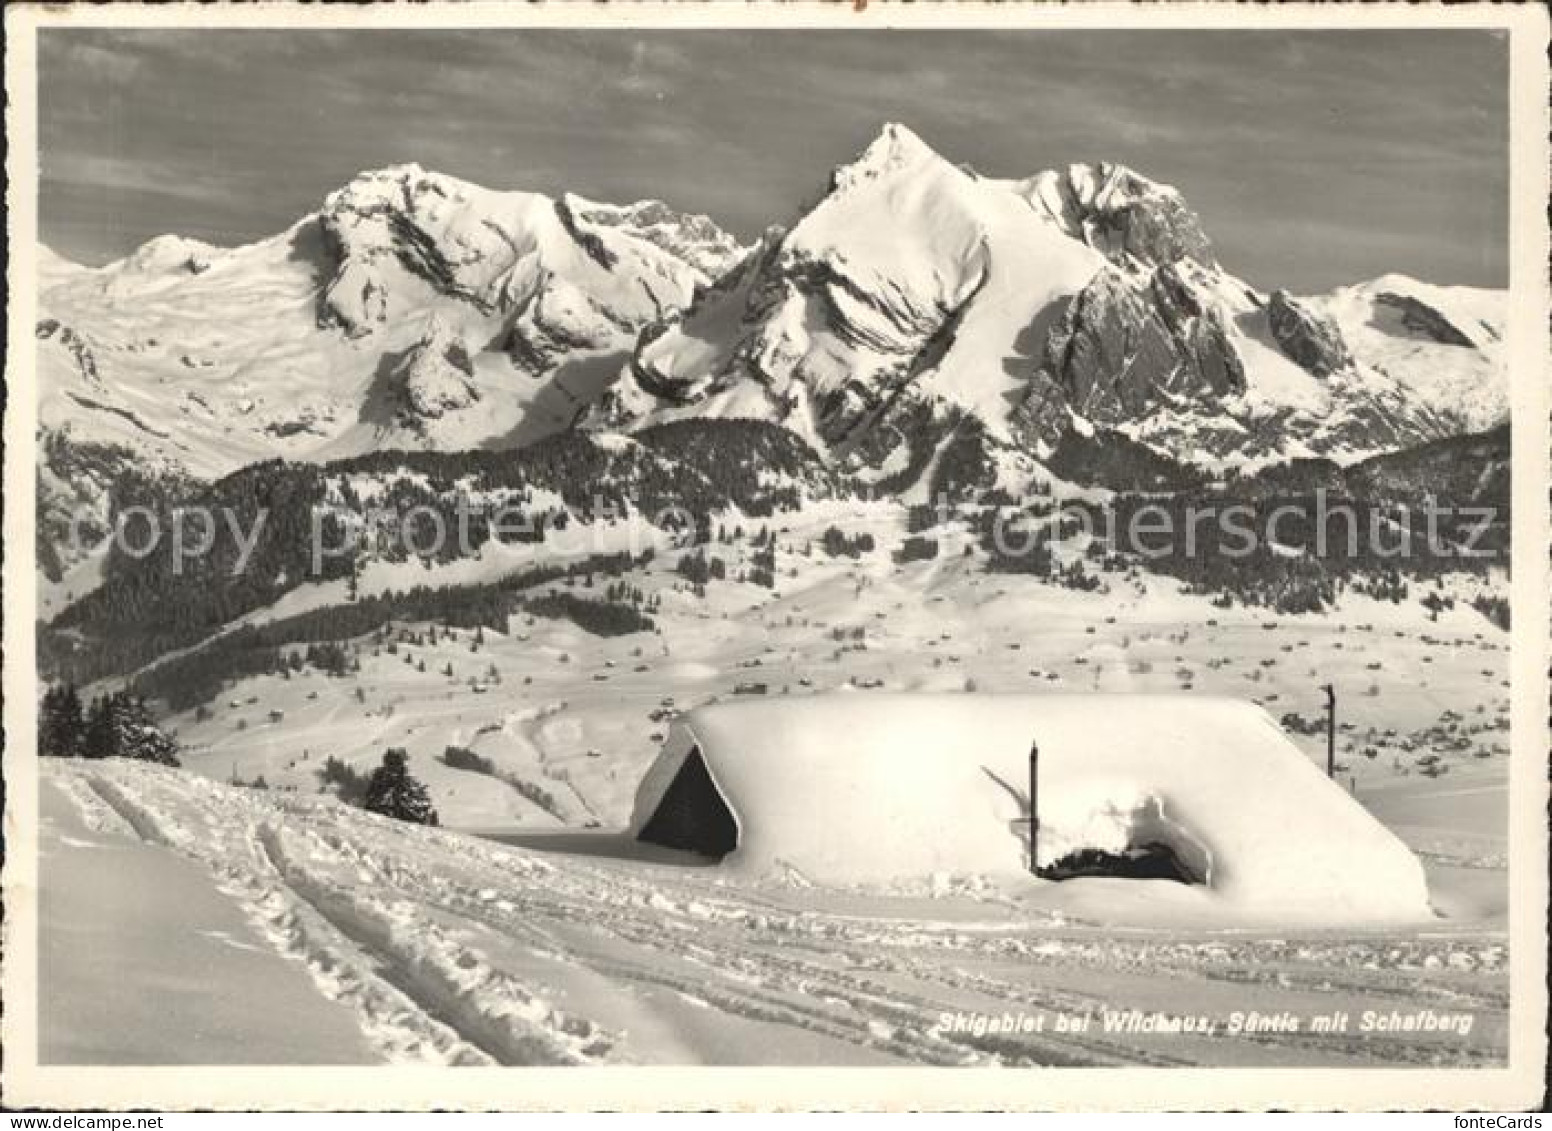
<point>1312,340</point>
<point>1132,344</point>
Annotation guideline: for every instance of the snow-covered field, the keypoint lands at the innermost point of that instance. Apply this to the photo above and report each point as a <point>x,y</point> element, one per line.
<point>533,931</point>
<point>400,943</point>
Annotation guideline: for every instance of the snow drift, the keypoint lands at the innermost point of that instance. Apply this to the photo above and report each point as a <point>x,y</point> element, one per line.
<point>850,789</point>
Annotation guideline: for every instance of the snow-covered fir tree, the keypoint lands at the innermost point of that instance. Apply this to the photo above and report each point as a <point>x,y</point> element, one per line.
<point>394,792</point>
<point>120,726</point>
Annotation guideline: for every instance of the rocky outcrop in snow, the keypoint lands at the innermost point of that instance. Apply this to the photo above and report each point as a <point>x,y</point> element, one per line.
<point>436,375</point>
<point>1313,341</point>
<point>1423,320</point>
<point>1121,214</point>
<point>51,330</point>
<point>560,320</point>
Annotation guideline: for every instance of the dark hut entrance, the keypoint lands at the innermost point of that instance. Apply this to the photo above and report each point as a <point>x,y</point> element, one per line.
<point>1152,861</point>
<point>692,815</point>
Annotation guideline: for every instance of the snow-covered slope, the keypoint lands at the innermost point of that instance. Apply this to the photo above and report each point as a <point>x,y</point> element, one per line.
<point>849,788</point>
<point>1443,345</point>
<point>915,293</point>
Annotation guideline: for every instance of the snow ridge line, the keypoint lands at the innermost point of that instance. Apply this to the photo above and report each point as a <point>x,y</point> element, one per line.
<point>449,982</point>
<point>97,814</point>
<point>142,823</point>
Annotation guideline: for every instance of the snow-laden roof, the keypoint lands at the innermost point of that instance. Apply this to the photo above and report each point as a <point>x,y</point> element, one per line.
<point>870,788</point>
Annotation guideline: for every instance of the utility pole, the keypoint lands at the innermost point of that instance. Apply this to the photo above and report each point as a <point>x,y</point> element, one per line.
<point>1034,808</point>
<point>1330,731</point>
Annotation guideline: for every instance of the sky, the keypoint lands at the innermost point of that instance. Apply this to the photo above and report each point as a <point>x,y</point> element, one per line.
<point>1314,159</point>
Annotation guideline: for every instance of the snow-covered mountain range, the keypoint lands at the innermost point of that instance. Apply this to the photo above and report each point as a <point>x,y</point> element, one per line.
<point>414,310</point>
<point>1087,296</point>
<point>411,310</point>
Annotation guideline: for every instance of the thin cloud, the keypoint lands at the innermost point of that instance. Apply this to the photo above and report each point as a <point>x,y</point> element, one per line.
<point>123,174</point>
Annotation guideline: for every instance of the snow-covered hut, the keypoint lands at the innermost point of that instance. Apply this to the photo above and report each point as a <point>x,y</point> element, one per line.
<point>863,789</point>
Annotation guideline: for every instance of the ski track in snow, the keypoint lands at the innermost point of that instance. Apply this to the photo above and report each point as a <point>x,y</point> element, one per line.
<point>455,950</point>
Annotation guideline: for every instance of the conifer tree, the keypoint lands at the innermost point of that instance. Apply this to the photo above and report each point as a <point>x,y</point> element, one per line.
<point>61,723</point>
<point>120,726</point>
<point>101,736</point>
<point>140,737</point>
<point>393,792</point>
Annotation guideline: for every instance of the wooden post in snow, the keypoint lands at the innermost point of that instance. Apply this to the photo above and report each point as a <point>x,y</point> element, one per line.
<point>1330,730</point>
<point>1034,808</point>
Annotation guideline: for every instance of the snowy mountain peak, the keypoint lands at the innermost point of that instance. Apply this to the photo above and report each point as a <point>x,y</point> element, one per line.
<point>388,180</point>
<point>1088,294</point>
<point>908,276</point>
<point>169,253</point>
<point>412,309</point>
<point>896,148</point>
<point>393,188</point>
